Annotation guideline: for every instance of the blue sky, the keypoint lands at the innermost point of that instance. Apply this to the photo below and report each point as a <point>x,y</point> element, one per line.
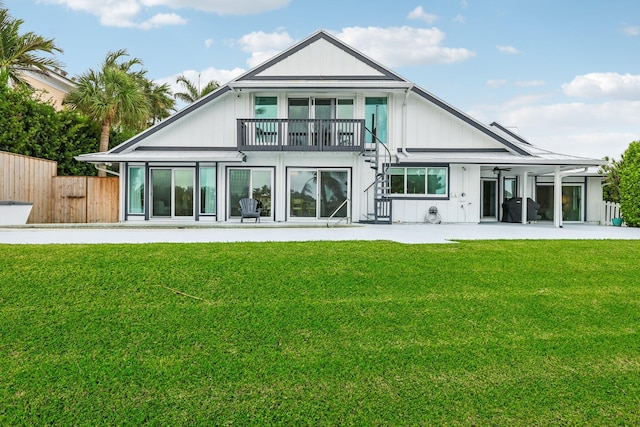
<point>564,74</point>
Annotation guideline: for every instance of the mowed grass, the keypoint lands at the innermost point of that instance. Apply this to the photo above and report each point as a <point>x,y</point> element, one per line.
<point>321,333</point>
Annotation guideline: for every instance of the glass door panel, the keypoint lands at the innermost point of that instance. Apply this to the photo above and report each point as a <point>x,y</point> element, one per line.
<point>489,201</point>
<point>261,190</point>
<point>333,192</point>
<point>303,191</point>
<point>323,113</point>
<point>208,190</point>
<point>299,125</point>
<point>183,192</point>
<point>510,188</point>
<point>266,108</point>
<point>375,116</point>
<point>239,183</point>
<point>160,193</point>
<point>572,203</point>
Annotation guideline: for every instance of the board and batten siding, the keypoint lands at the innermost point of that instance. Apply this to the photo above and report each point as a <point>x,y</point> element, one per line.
<point>28,179</point>
<point>429,126</point>
<point>212,125</point>
<point>324,59</point>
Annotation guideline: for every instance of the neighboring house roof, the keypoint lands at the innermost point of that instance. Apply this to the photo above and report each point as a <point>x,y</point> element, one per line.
<point>53,85</point>
<point>284,71</point>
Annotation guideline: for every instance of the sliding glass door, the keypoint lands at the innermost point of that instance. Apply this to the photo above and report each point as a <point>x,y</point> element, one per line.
<point>172,193</point>
<point>321,130</point>
<point>572,202</point>
<point>250,183</point>
<point>318,193</point>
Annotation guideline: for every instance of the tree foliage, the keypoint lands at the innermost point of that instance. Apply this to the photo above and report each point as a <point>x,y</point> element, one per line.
<point>611,174</point>
<point>31,127</point>
<point>193,90</point>
<point>20,52</point>
<point>629,171</point>
<point>112,95</point>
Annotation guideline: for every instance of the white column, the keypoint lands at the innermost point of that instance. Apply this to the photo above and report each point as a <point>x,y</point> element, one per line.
<point>524,185</point>
<point>557,198</point>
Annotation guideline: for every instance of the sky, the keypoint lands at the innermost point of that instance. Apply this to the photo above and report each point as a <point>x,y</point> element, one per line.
<point>563,74</point>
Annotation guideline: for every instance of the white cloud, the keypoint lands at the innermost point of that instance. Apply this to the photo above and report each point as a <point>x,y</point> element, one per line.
<point>495,83</point>
<point>531,83</point>
<point>221,7</point>
<point>401,46</point>
<point>632,31</point>
<point>420,14</point>
<point>582,129</point>
<point>508,50</point>
<point>126,13</point>
<point>262,46</point>
<point>604,85</point>
<point>162,20</point>
<point>208,43</point>
<point>460,19</point>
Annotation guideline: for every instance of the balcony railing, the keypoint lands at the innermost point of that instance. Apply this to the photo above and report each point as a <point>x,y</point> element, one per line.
<point>300,135</point>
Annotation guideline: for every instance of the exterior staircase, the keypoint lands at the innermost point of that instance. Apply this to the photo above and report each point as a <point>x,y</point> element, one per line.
<point>379,204</point>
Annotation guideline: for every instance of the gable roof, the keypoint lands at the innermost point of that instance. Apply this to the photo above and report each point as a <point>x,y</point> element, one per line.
<point>362,72</point>
<point>368,69</point>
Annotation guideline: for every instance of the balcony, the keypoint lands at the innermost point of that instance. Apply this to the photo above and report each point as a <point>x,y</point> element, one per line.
<point>300,135</point>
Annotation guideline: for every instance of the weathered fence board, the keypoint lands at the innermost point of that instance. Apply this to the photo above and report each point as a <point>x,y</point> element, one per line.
<point>70,195</point>
<point>84,199</point>
<point>103,199</point>
<point>28,179</point>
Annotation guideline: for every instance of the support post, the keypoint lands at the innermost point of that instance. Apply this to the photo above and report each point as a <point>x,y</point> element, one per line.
<point>525,195</point>
<point>557,198</point>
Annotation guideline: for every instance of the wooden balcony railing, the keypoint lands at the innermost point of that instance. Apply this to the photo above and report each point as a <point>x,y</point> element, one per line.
<point>300,135</point>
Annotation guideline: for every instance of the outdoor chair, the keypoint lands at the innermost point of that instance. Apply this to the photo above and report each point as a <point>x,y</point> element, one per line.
<point>249,209</point>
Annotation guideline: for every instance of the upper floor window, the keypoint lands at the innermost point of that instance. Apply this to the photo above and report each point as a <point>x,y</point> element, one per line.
<point>375,118</point>
<point>425,181</point>
<point>320,108</point>
<point>266,107</point>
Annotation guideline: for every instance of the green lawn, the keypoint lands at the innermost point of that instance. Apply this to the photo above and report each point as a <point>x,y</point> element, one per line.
<point>321,333</point>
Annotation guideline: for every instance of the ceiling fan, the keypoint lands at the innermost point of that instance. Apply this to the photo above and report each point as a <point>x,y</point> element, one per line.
<point>498,170</point>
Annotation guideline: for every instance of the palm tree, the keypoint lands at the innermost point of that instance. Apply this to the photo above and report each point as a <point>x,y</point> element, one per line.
<point>161,101</point>
<point>611,173</point>
<point>113,95</point>
<point>194,92</point>
<point>20,52</point>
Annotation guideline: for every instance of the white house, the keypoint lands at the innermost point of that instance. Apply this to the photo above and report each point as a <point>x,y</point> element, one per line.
<point>322,130</point>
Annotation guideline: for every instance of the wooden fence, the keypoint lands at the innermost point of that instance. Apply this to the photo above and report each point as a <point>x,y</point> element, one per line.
<point>85,199</point>
<point>57,199</point>
<point>28,179</point>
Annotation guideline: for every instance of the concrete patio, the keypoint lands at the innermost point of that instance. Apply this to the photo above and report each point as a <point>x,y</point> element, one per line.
<point>232,232</point>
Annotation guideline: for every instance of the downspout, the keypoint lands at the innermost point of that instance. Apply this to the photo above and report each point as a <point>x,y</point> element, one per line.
<point>105,170</point>
<point>405,118</point>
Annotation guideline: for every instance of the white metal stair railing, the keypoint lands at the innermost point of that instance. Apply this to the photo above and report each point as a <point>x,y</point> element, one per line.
<point>347,218</point>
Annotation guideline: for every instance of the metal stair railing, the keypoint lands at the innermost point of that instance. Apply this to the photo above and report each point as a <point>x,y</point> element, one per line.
<point>382,204</point>
<point>347,202</point>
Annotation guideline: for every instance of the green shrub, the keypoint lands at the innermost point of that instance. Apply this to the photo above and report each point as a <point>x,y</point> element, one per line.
<point>630,185</point>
